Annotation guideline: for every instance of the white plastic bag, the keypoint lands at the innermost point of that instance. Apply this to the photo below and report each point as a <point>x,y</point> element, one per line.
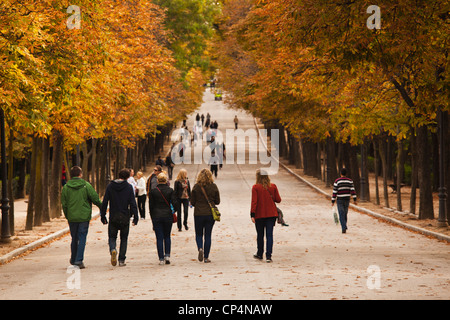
<point>335,215</point>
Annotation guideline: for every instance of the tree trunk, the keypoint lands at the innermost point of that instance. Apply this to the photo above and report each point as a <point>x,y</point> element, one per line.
<point>375,165</point>
<point>435,161</point>
<point>94,161</point>
<point>365,172</point>
<point>423,162</point>
<point>10,180</point>
<point>447,159</point>
<point>412,201</point>
<point>332,172</point>
<point>55,186</point>
<point>45,179</point>
<point>399,174</point>
<point>351,164</point>
<point>31,197</point>
<point>382,149</point>
<point>22,176</point>
<point>38,185</point>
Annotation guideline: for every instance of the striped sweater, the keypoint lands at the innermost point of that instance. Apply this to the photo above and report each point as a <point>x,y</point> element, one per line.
<point>343,188</point>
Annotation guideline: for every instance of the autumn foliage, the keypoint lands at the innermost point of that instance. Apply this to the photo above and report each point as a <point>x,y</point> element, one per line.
<point>116,77</point>
<point>315,69</point>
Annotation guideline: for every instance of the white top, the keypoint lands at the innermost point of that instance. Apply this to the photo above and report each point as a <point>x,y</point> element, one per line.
<point>141,186</point>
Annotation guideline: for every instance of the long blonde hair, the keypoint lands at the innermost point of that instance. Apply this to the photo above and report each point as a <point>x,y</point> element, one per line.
<point>182,175</point>
<point>205,177</point>
<point>262,178</point>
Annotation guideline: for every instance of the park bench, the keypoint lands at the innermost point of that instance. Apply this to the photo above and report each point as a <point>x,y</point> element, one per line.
<point>394,187</point>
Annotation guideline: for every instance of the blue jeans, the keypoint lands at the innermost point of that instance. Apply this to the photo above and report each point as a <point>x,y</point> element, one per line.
<point>78,231</point>
<point>203,228</point>
<point>342,206</point>
<point>163,228</point>
<point>265,225</point>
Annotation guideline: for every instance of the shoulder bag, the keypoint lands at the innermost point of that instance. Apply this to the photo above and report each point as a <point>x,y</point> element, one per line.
<point>215,212</point>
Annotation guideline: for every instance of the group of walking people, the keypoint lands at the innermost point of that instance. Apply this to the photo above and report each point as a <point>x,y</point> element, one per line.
<point>165,206</point>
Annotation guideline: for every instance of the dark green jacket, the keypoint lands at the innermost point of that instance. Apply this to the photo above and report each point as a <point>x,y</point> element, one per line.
<point>77,198</point>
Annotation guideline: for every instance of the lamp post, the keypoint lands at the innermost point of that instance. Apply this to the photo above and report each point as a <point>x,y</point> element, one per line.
<point>6,233</point>
<point>442,219</point>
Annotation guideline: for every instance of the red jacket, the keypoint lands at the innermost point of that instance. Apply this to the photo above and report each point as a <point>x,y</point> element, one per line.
<point>263,205</point>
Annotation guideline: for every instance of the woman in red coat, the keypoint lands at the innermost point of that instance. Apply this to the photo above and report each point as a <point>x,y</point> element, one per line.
<point>264,212</point>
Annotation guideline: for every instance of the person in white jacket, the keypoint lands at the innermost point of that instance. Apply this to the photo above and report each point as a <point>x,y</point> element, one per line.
<point>141,193</point>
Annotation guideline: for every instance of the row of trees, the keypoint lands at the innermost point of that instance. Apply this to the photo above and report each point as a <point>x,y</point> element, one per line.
<point>105,84</point>
<point>315,70</point>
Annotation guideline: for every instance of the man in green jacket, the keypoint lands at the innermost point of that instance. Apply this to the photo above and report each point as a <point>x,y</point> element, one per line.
<point>77,198</point>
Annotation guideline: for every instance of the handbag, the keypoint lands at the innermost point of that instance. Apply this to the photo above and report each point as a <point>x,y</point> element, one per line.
<point>174,215</point>
<point>280,218</point>
<point>215,212</point>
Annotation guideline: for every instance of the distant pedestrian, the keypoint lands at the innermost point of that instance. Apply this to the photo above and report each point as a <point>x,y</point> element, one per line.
<point>170,165</point>
<point>203,218</point>
<point>182,189</point>
<point>121,199</point>
<point>141,193</point>
<point>236,122</point>
<point>162,200</point>
<point>208,120</point>
<point>160,162</point>
<point>264,213</point>
<point>132,181</point>
<point>214,159</point>
<point>214,163</point>
<point>152,181</point>
<point>343,190</point>
<point>77,197</point>
<point>203,118</point>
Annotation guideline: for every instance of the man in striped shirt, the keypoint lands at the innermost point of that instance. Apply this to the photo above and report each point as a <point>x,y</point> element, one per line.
<point>343,190</point>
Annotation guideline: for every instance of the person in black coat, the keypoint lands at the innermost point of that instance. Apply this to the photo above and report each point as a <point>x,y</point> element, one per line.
<point>121,198</point>
<point>162,200</point>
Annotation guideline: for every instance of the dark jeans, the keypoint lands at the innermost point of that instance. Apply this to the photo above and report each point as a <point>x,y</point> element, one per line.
<point>342,206</point>
<point>203,228</point>
<point>113,230</point>
<point>163,228</point>
<point>182,203</point>
<point>170,172</point>
<point>141,205</point>
<point>214,169</point>
<point>78,231</point>
<point>265,225</point>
